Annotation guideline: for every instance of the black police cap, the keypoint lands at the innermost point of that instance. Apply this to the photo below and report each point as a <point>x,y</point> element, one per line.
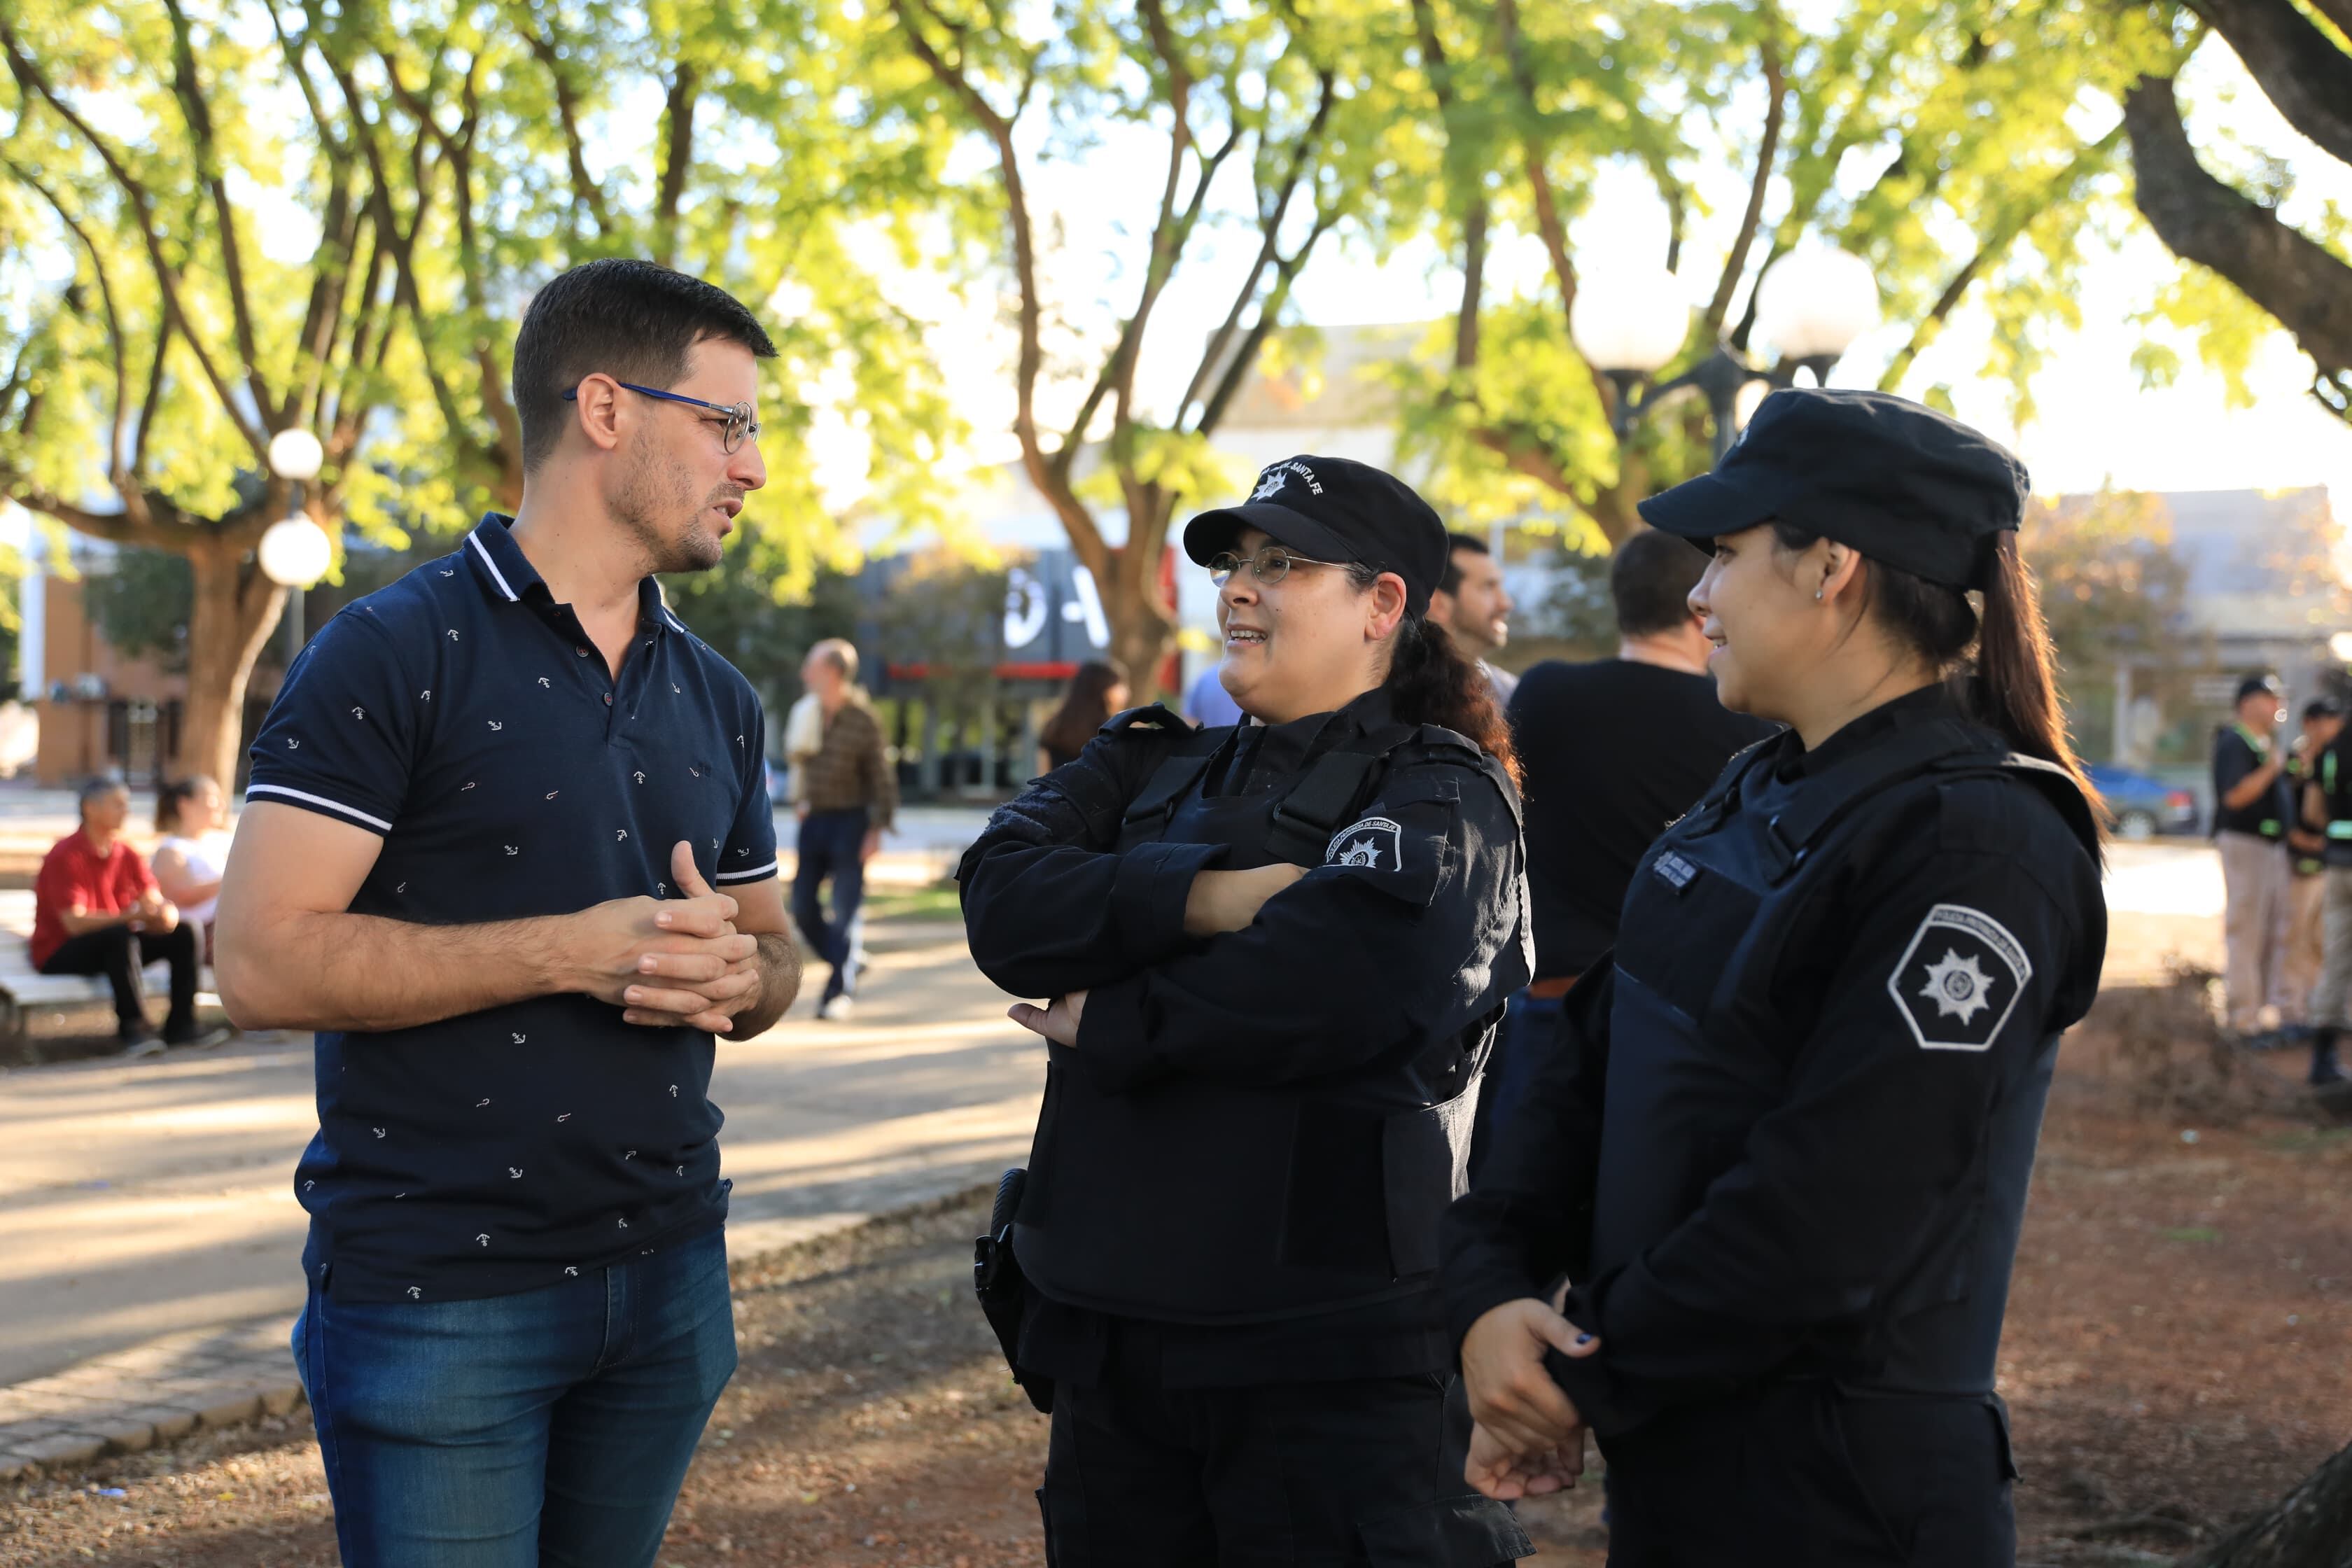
<point>1892,478</point>
<point>2259,685</point>
<point>1335,508</point>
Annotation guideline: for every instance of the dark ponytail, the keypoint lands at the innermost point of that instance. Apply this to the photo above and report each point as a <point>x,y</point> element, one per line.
<point>2011,687</point>
<point>1429,682</point>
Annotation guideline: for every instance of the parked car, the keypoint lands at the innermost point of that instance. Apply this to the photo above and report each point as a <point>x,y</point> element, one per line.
<point>2139,806</point>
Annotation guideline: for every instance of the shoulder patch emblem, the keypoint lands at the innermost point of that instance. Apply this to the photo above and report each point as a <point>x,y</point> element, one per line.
<point>1959,979</point>
<point>1375,843</point>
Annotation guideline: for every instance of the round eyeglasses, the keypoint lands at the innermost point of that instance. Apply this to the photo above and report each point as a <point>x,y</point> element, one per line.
<point>1270,564</point>
<point>739,425</point>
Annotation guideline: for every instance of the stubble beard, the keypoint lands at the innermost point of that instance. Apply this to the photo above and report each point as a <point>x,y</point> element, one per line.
<point>655,491</point>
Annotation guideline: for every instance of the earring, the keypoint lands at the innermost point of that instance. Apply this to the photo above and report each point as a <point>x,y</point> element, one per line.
<point>1817,595</point>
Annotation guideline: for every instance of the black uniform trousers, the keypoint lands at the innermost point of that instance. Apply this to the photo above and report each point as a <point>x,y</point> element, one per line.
<point>117,951</point>
<point>1800,1475</point>
<point>1357,1473</point>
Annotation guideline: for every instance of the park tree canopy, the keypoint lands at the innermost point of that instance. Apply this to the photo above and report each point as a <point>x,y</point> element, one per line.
<point>220,223</point>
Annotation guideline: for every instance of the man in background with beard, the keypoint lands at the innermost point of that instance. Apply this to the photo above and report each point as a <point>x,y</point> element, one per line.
<point>509,850</point>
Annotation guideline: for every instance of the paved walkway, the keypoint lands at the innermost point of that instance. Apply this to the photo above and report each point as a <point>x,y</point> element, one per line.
<point>149,1237</point>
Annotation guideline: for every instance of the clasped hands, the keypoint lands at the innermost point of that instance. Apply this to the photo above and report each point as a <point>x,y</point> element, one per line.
<point>668,962</point>
<point>1217,901</point>
<point>1529,1438</point>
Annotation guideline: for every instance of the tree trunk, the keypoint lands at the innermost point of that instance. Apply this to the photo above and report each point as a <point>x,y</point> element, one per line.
<point>1142,633</point>
<point>2310,1526</point>
<point>235,610</point>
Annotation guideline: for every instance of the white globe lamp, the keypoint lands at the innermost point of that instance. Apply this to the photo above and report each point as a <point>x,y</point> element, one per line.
<point>1629,322</point>
<point>296,455</point>
<point>295,552</point>
<point>1813,304</point>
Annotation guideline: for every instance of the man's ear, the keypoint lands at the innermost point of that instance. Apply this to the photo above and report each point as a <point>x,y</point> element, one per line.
<point>596,411</point>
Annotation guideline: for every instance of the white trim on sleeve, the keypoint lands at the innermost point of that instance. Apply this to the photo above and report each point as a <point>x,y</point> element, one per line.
<point>744,876</point>
<point>351,812</point>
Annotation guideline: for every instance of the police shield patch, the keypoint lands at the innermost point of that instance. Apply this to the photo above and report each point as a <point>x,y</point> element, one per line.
<point>1375,843</point>
<point>1959,981</point>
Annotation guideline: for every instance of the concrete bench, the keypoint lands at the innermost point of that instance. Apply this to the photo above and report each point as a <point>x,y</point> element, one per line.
<point>24,988</point>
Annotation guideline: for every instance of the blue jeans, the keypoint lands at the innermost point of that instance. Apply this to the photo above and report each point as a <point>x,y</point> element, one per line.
<point>829,846</point>
<point>553,1427</point>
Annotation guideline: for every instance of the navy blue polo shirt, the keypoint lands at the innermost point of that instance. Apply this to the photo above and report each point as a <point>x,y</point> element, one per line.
<point>465,717</point>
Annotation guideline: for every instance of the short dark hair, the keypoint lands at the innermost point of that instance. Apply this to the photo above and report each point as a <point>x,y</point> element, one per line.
<point>1650,579</point>
<point>634,321</point>
<point>1451,582</point>
<point>98,786</point>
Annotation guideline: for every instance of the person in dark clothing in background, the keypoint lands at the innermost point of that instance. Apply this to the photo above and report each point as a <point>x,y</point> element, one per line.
<point>1097,691</point>
<point>2248,764</point>
<point>1614,750</point>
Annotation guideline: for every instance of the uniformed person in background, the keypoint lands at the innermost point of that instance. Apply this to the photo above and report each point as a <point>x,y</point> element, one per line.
<point>1276,954</point>
<point>2327,809</point>
<point>2305,947</point>
<point>2248,764</point>
<point>1783,1150</point>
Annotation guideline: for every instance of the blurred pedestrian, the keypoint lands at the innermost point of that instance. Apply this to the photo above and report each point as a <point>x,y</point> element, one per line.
<point>97,910</point>
<point>1782,1155</point>
<point>1275,955</point>
<point>507,848</point>
<point>2249,829</point>
<point>193,818</point>
<point>1097,691</point>
<point>2306,887</point>
<point>1208,705</point>
<point>1474,608</point>
<point>1612,750</point>
<point>849,800</point>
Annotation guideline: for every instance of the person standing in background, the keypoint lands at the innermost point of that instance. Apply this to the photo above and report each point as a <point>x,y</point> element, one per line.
<point>1614,750</point>
<point>1472,604</point>
<point>846,801</point>
<point>2248,764</point>
<point>2306,886</point>
<point>1095,692</point>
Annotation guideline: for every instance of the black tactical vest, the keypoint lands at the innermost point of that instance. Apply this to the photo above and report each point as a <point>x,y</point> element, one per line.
<point>1190,1201</point>
<point>1698,1054</point>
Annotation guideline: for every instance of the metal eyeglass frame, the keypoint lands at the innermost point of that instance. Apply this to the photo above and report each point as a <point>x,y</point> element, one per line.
<point>741,425</point>
<point>1255,561</point>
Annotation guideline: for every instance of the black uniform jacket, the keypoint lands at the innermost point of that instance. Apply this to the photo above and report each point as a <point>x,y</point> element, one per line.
<point>1791,1235</point>
<point>1411,931</point>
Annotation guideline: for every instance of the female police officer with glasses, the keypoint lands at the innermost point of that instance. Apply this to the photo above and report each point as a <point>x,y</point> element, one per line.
<point>1276,954</point>
<point>1782,1151</point>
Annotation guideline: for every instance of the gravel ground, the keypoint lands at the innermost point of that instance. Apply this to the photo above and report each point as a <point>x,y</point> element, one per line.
<point>2177,1356</point>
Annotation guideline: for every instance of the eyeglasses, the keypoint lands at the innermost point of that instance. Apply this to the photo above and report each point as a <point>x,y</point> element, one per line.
<point>1271,563</point>
<point>741,425</point>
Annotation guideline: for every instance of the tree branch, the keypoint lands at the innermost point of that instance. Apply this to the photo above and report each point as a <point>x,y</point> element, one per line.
<point>2298,67</point>
<point>2300,282</point>
<point>584,188</point>
<point>677,158</point>
<point>197,112</point>
<point>1734,266</point>
<point>120,354</point>
<point>167,277</point>
<point>2009,223</point>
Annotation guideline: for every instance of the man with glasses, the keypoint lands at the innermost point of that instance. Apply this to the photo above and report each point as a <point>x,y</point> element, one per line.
<point>508,849</point>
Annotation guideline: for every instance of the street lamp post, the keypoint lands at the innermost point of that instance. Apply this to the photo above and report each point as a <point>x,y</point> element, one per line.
<point>1810,307</point>
<point>296,552</point>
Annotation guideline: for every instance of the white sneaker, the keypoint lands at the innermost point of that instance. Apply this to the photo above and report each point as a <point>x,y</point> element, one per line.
<point>836,1009</point>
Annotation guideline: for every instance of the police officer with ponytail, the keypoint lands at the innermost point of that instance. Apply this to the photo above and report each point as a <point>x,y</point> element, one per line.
<point>1274,956</point>
<point>1780,1160</point>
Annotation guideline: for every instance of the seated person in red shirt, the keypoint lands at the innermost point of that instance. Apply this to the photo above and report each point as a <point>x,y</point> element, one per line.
<point>97,910</point>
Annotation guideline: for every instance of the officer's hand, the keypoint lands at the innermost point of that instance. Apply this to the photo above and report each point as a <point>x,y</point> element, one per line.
<point>1511,1394</point>
<point>1058,1021</point>
<point>1504,1476</point>
<point>1229,901</point>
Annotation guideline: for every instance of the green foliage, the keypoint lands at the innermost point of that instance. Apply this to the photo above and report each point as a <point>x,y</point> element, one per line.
<point>140,605</point>
<point>2114,591</point>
